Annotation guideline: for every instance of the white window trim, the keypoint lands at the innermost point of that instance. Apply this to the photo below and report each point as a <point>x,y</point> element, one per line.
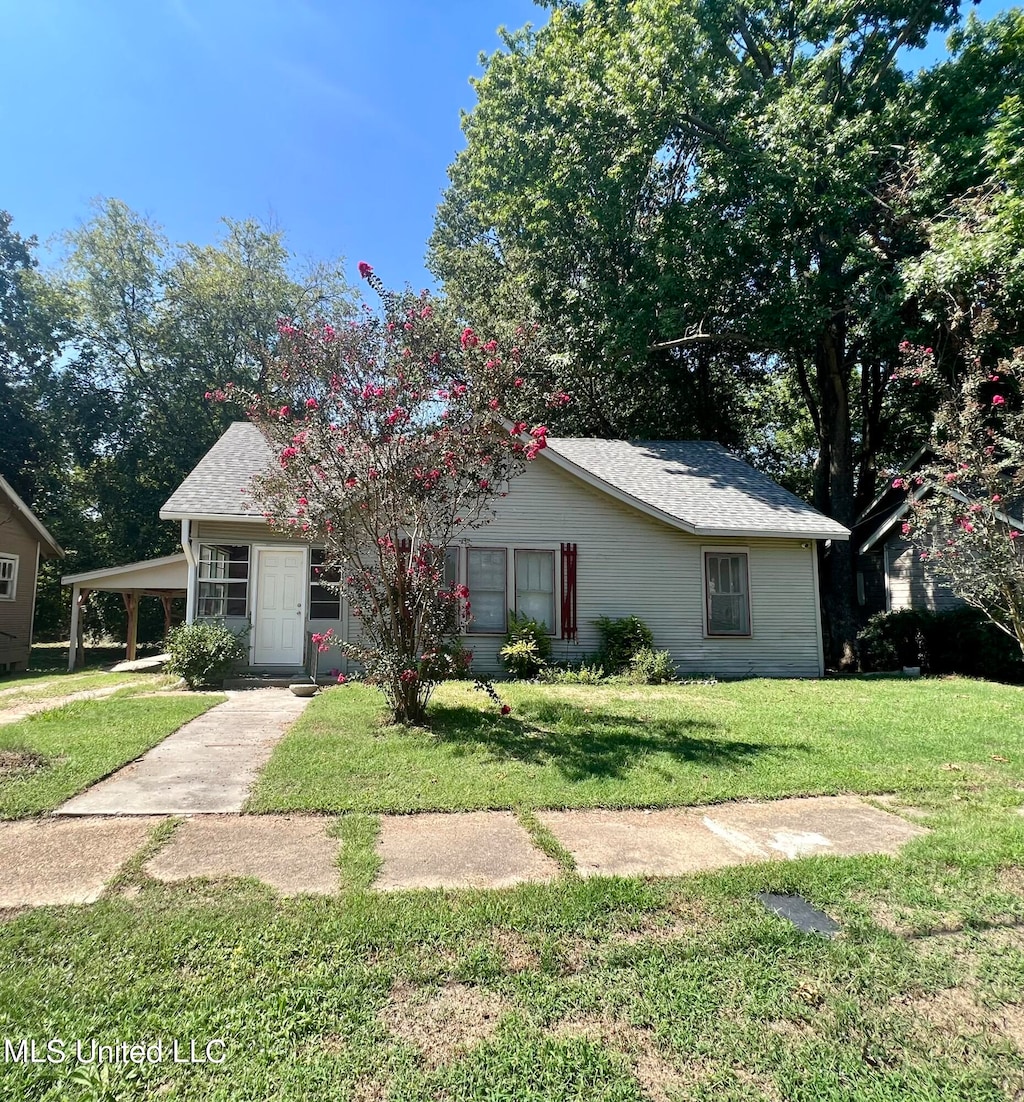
<point>510,550</point>
<point>721,549</point>
<point>555,591</point>
<point>197,549</point>
<point>15,561</point>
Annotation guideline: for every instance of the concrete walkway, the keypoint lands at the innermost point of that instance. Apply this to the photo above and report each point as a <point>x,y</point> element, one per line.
<point>206,766</point>
<point>68,860</point>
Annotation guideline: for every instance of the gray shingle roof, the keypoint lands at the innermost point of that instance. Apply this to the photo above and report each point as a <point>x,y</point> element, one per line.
<point>215,486</point>
<point>696,485</point>
<point>699,484</point>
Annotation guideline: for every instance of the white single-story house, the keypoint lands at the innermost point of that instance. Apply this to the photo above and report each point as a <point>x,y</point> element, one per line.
<point>718,560</point>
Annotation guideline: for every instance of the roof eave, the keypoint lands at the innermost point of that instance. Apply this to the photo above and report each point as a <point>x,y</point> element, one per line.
<point>32,520</point>
<point>178,514</point>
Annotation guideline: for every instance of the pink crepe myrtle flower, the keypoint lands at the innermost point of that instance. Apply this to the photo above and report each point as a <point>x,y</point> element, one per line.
<point>469,339</point>
<point>312,403</point>
<point>1014,533</point>
<point>365,270</point>
<point>998,400</point>
<point>899,484</point>
<point>505,709</point>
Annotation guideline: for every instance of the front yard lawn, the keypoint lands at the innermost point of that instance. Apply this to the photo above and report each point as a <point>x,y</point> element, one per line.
<point>620,746</point>
<point>611,990</point>
<point>47,758</point>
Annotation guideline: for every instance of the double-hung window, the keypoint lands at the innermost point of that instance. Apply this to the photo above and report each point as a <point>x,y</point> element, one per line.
<point>535,587</point>
<point>8,577</point>
<point>324,596</point>
<point>486,576</point>
<point>223,580</point>
<point>728,594</point>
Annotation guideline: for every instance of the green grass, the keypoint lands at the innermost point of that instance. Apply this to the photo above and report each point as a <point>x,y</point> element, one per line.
<point>607,989</point>
<point>75,745</point>
<point>52,688</point>
<point>620,746</point>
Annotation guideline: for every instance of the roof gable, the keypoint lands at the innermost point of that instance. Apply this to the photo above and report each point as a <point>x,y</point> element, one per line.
<point>52,549</point>
<point>695,485</point>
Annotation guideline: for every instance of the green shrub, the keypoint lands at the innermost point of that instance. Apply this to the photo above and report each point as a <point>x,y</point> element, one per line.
<point>521,659</point>
<point>620,640</point>
<point>960,641</point>
<point>583,674</point>
<point>651,667</point>
<point>203,652</point>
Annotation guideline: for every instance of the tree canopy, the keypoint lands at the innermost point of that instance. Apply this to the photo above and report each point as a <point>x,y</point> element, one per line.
<point>714,206</point>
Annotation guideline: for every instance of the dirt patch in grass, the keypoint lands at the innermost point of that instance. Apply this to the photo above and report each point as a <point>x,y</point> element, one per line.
<point>444,1022</point>
<point>516,951</point>
<point>1011,880</point>
<point>660,1079</point>
<point>13,762</point>
<point>369,1090</point>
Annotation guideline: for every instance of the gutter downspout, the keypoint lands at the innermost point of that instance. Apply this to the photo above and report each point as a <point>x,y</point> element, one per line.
<point>190,593</point>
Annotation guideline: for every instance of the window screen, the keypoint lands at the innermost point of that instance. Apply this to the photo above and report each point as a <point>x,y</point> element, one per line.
<point>728,598</point>
<point>535,586</point>
<point>486,573</point>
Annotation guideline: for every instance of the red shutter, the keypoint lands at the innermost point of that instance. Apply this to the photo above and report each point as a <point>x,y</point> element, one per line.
<point>569,591</point>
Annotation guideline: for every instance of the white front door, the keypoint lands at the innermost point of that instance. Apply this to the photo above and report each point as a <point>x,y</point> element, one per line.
<point>281,608</point>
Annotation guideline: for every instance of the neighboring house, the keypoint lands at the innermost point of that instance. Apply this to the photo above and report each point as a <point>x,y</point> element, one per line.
<point>24,542</point>
<point>719,561</point>
<point>890,572</point>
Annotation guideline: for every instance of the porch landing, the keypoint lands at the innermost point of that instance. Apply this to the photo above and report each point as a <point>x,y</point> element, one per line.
<point>207,766</point>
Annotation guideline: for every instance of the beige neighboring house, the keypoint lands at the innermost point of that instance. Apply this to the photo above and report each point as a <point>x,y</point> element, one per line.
<point>720,561</point>
<point>24,543</point>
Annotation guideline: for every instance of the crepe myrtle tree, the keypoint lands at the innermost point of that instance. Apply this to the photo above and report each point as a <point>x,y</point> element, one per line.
<point>966,528</point>
<point>392,436</point>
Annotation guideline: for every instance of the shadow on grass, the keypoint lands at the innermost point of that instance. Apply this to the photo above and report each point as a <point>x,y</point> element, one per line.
<point>584,744</point>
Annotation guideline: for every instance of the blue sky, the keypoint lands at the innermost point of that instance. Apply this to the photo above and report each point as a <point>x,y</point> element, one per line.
<point>335,120</point>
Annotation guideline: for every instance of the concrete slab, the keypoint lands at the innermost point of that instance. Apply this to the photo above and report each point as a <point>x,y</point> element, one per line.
<point>687,840</point>
<point>639,843</point>
<point>840,825</point>
<point>291,853</point>
<point>59,861</point>
<point>206,767</point>
<point>476,849</point>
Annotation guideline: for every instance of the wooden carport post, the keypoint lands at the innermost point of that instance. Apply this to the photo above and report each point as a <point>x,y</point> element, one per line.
<point>76,642</point>
<point>131,603</point>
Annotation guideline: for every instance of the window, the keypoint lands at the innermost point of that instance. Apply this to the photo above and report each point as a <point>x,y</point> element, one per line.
<point>8,577</point>
<point>223,580</point>
<point>728,600</point>
<point>535,587</point>
<point>324,602</point>
<point>486,573</point>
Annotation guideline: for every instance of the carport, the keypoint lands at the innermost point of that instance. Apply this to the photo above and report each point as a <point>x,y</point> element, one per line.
<point>164,578</point>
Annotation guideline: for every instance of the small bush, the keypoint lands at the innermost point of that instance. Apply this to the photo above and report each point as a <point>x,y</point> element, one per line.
<point>651,667</point>
<point>620,641</point>
<point>522,659</point>
<point>575,675</point>
<point>960,641</point>
<point>203,652</point>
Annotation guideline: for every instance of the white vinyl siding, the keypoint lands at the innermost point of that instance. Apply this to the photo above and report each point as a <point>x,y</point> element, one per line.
<point>631,564</point>
<point>727,593</point>
<point>535,586</point>
<point>486,570</point>
<point>8,577</point>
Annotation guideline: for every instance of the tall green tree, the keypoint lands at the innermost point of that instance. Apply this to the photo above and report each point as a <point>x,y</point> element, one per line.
<point>706,201</point>
<point>156,326</point>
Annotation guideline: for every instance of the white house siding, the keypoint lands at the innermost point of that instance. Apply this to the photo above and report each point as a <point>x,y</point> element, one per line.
<point>911,583</point>
<point>630,564</point>
<point>250,532</point>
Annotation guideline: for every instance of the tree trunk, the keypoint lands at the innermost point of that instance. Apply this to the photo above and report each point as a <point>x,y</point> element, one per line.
<point>834,493</point>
